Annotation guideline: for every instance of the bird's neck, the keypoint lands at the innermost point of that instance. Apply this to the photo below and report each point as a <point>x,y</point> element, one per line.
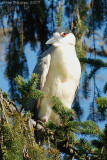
<point>66,47</point>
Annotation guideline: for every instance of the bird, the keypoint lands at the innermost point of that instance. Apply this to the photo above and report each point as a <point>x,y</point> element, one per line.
<point>60,71</point>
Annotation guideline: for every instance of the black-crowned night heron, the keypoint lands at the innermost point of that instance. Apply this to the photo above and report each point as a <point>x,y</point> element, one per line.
<point>60,71</point>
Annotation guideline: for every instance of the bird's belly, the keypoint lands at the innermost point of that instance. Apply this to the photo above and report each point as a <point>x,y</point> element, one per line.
<point>63,79</point>
<point>65,90</point>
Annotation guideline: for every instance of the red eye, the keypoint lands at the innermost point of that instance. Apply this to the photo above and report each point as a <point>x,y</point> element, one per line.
<point>64,34</point>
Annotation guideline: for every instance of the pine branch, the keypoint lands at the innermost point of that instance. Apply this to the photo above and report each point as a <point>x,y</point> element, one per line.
<point>3,112</point>
<point>65,114</point>
<point>77,108</point>
<point>65,134</point>
<point>62,136</point>
<point>102,102</point>
<point>102,43</point>
<point>93,72</point>
<point>105,88</point>
<point>59,15</point>
<point>27,90</point>
<point>96,63</point>
<point>86,90</point>
<point>17,139</point>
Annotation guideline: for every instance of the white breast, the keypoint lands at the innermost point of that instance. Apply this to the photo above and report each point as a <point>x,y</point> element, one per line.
<point>62,79</point>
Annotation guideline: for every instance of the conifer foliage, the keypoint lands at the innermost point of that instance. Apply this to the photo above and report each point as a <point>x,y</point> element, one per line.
<point>27,90</point>
<point>23,138</point>
<point>17,140</point>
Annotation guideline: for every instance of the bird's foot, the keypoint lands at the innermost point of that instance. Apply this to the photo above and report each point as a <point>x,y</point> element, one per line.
<point>45,119</point>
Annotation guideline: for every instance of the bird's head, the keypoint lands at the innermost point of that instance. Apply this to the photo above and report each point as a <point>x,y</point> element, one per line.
<point>62,36</point>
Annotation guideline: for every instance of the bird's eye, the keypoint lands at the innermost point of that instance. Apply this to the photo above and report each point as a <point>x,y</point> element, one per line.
<point>64,34</point>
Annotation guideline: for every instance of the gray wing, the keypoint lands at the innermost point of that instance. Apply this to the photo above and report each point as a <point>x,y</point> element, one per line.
<point>41,68</point>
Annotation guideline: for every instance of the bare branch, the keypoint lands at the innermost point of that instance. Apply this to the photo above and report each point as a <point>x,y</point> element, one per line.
<point>5,31</point>
<point>101,43</point>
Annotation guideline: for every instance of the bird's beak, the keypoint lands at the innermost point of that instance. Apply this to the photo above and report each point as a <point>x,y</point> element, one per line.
<point>54,39</point>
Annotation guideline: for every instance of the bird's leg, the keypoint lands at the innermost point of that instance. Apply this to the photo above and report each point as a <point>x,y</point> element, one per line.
<point>44,110</point>
<point>45,119</point>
